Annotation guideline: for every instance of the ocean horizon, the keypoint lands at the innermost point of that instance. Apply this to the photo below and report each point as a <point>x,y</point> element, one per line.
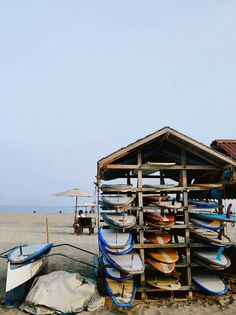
<point>37,208</point>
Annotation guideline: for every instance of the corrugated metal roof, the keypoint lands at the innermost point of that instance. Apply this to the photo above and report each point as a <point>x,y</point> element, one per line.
<point>226,145</point>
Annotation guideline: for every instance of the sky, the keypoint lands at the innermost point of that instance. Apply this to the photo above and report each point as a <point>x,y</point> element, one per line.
<point>81,79</point>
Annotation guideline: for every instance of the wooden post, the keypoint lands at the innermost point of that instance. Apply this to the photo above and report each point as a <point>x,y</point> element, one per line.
<point>47,234</point>
<point>184,183</point>
<point>140,211</point>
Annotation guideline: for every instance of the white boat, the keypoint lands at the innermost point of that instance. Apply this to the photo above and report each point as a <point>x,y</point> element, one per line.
<point>119,220</point>
<point>24,263</point>
<point>18,278</point>
<point>116,201</point>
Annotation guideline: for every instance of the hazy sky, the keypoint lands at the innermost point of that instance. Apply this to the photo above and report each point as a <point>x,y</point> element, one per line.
<point>80,79</point>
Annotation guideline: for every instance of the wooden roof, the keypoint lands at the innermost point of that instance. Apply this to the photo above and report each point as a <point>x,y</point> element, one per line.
<point>150,144</point>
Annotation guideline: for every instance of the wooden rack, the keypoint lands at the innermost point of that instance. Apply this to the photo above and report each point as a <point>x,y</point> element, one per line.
<point>140,227</point>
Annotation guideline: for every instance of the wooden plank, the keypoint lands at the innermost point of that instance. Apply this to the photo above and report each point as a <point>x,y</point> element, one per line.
<point>152,289</point>
<point>173,167</point>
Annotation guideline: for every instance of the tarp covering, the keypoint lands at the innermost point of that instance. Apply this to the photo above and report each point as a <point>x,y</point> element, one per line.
<point>62,292</point>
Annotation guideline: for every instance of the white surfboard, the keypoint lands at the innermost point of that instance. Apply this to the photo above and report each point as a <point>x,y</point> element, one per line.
<point>211,257</point>
<point>130,263</point>
<point>114,238</point>
<point>116,201</point>
<point>209,282</point>
<point>119,220</point>
<point>116,188</point>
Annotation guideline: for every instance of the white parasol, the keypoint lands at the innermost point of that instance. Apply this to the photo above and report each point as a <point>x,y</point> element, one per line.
<point>74,192</point>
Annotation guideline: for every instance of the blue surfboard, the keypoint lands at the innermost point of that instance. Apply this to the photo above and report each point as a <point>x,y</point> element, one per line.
<point>213,216</point>
<point>205,224</point>
<point>121,293</point>
<point>124,251</point>
<point>112,272</point>
<point>209,282</point>
<point>203,204</point>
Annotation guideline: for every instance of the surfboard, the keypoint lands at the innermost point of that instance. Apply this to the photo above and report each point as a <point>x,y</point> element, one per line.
<point>118,251</point>
<point>210,266</point>
<point>122,293</point>
<point>164,282</point>
<point>28,252</point>
<point>154,200</point>
<point>116,187</point>
<point>147,171</point>
<point>130,263</point>
<point>213,216</point>
<point>158,217</point>
<point>160,266</point>
<point>211,256</point>
<point>203,204</point>
<point>172,204</point>
<point>158,237</point>
<point>164,255</point>
<point>119,220</point>
<point>116,201</point>
<point>216,185</point>
<point>160,186</point>
<point>113,273</point>
<point>210,236</point>
<point>211,225</point>
<point>209,282</point>
<point>159,223</point>
<point>114,238</point>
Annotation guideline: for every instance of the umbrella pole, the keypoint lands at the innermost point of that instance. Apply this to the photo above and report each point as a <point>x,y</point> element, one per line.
<point>76,202</point>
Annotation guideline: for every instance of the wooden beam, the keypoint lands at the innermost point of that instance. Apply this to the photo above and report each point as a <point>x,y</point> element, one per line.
<point>172,167</point>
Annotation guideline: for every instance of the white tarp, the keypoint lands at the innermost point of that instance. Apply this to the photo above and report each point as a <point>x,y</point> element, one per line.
<point>62,292</point>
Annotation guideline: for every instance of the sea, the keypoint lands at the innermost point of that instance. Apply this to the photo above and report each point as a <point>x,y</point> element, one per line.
<point>40,209</point>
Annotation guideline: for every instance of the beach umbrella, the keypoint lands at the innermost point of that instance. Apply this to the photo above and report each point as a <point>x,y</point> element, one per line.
<point>75,192</point>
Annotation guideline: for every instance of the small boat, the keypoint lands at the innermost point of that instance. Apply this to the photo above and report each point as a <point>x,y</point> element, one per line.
<point>116,188</point>
<point>116,201</point>
<point>129,263</point>
<point>164,255</point>
<point>122,293</point>
<point>113,273</point>
<point>113,238</point>
<point>24,263</point>
<point>209,282</point>
<point>203,204</point>
<point>119,220</point>
<point>28,252</point>
<point>158,237</point>
<point>160,266</point>
<point>164,282</point>
<point>213,225</point>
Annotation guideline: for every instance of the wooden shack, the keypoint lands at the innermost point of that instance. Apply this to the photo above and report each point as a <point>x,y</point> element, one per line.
<point>182,160</point>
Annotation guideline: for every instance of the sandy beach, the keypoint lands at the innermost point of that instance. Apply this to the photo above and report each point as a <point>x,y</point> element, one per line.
<point>19,228</point>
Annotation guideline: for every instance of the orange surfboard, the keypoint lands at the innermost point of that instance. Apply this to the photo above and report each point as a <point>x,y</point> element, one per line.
<point>165,255</point>
<point>160,223</point>
<point>159,217</point>
<point>158,237</point>
<point>160,266</point>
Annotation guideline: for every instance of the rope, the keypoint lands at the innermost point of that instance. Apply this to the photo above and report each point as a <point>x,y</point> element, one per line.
<point>78,248</point>
<point>77,260</point>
